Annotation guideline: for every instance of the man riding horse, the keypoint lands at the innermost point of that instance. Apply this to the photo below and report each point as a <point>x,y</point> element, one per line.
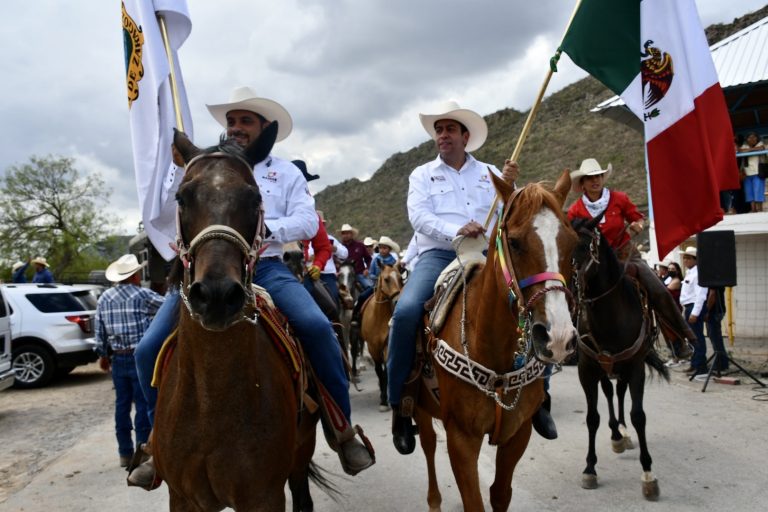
<point>445,198</point>
<point>289,216</point>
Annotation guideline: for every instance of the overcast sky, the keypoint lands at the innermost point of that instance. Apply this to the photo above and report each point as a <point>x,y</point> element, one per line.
<point>353,74</point>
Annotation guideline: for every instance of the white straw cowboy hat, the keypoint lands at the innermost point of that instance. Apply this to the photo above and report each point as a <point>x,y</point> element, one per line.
<point>474,122</point>
<point>385,240</point>
<point>588,167</point>
<point>689,251</point>
<point>16,266</point>
<point>369,242</point>
<point>245,98</point>
<point>347,227</point>
<point>123,268</point>
<point>40,261</point>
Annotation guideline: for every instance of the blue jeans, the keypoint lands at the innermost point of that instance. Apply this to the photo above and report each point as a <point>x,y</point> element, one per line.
<point>699,358</point>
<point>364,281</point>
<point>332,284</point>
<point>715,333</point>
<point>127,392</point>
<point>407,318</point>
<point>311,326</point>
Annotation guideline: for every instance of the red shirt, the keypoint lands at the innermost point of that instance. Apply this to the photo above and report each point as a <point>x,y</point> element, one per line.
<point>358,255</point>
<point>620,210</point>
<point>321,246</point>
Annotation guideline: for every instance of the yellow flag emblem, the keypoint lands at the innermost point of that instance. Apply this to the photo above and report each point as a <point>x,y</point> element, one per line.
<point>133,41</point>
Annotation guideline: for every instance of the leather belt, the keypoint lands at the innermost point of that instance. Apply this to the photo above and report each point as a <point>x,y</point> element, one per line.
<point>123,352</point>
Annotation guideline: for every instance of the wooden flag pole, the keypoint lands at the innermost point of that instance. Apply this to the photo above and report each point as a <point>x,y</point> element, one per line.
<point>171,64</point>
<point>531,114</point>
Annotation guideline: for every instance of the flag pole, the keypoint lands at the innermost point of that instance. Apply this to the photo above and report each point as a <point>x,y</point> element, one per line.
<point>172,66</point>
<point>534,109</point>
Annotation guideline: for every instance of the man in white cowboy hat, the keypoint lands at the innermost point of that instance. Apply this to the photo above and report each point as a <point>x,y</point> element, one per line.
<point>289,216</point>
<point>693,298</point>
<point>449,196</point>
<point>358,255</point>
<point>123,314</point>
<point>42,273</point>
<point>17,271</point>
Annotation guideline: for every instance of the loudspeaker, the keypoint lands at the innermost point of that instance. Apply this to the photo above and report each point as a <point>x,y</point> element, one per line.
<point>716,258</point>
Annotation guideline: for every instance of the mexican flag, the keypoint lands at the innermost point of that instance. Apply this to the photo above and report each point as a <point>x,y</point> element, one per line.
<point>151,111</point>
<point>654,54</point>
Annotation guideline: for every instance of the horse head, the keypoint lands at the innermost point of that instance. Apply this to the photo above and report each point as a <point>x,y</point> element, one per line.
<point>594,261</point>
<point>347,281</point>
<point>293,257</point>
<point>220,227</point>
<point>532,254</point>
<point>389,284</point>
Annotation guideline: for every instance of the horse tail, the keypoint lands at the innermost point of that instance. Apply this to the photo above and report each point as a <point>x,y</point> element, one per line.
<point>318,475</point>
<point>654,362</point>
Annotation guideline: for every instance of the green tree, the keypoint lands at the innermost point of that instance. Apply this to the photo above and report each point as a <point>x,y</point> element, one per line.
<point>48,209</point>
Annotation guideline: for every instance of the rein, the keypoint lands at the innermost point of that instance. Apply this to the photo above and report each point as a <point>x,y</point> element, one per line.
<point>250,252</point>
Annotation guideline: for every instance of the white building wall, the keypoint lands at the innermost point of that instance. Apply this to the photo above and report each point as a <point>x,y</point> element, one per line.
<point>750,296</point>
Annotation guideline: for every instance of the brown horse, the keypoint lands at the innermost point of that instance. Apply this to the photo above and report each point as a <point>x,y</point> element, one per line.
<point>226,431</point>
<point>496,323</point>
<point>375,324</point>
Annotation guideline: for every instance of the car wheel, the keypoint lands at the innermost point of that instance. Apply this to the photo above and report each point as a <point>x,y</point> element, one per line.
<point>33,365</point>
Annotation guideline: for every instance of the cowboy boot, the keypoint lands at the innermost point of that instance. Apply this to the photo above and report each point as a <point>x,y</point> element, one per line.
<point>403,431</point>
<point>542,421</point>
<point>662,302</point>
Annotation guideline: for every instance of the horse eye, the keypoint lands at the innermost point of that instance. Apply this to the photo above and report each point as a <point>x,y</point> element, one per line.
<point>514,244</point>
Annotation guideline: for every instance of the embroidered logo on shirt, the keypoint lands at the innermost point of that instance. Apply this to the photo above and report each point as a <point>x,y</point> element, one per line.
<point>271,176</point>
<point>437,178</point>
<point>484,178</point>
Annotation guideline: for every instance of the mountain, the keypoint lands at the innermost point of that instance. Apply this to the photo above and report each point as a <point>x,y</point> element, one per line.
<point>563,133</point>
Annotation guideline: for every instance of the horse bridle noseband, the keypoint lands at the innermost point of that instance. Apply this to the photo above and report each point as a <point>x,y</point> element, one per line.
<point>221,232</point>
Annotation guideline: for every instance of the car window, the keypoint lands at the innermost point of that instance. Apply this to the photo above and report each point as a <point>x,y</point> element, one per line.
<point>57,302</point>
<point>3,309</point>
<point>86,298</point>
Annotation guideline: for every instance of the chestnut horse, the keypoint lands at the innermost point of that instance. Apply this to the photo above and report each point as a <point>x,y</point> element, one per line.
<point>515,310</point>
<point>226,431</point>
<point>375,324</point>
<point>617,333</point>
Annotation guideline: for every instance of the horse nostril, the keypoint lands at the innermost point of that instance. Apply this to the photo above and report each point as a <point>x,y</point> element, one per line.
<point>540,334</point>
<point>571,346</point>
<point>234,298</point>
<point>199,297</point>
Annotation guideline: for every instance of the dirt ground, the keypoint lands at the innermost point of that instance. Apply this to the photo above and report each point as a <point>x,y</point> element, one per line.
<point>38,425</point>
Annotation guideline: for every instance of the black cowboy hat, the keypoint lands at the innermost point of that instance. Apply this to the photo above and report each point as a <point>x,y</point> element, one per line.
<point>303,168</point>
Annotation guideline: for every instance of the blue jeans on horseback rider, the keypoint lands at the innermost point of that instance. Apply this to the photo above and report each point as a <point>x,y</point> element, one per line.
<point>310,326</point>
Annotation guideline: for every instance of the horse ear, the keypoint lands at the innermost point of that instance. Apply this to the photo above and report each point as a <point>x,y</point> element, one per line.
<point>184,146</point>
<point>562,187</point>
<point>503,188</point>
<point>259,149</point>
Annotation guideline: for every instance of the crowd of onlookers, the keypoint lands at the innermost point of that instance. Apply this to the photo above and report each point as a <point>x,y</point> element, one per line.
<point>753,170</point>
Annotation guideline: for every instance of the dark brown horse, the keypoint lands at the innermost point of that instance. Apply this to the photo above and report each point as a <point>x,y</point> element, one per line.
<point>514,312</point>
<point>617,332</point>
<point>374,325</point>
<point>226,431</point>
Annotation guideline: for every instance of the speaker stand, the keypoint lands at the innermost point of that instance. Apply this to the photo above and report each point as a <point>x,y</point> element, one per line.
<point>721,355</point>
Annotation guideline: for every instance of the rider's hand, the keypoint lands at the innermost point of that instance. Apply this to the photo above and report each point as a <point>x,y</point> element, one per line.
<point>636,227</point>
<point>314,272</point>
<point>510,172</point>
<point>471,229</point>
<point>104,363</point>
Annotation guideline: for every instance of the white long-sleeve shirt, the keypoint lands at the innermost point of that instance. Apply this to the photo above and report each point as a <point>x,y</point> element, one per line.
<point>341,253</point>
<point>441,200</point>
<point>691,292</point>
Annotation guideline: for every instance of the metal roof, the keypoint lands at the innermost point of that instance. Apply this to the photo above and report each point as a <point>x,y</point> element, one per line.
<point>741,60</point>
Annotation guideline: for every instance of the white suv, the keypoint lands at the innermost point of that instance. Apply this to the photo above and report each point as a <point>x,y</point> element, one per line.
<point>52,330</point>
<point>6,372</point>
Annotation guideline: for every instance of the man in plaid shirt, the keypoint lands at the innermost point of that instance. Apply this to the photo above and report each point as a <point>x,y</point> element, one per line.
<point>123,314</point>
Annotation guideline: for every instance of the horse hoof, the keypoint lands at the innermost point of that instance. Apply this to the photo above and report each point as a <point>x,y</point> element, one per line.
<point>618,446</point>
<point>651,490</point>
<point>628,444</point>
<point>383,408</point>
<point>588,481</point>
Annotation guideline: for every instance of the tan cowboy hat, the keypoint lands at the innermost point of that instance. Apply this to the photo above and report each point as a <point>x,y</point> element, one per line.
<point>588,167</point>
<point>123,268</point>
<point>385,240</point>
<point>474,122</point>
<point>689,251</point>
<point>245,98</point>
<point>347,227</point>
<point>369,242</point>
<point>39,261</point>
<point>16,266</point>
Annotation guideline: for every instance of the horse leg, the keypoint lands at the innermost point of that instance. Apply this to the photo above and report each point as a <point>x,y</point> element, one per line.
<point>637,415</point>
<point>617,442</point>
<point>621,392</point>
<point>463,452</point>
<point>589,385</point>
<point>298,483</point>
<point>428,440</point>
<point>381,373</point>
<point>507,457</point>
<point>178,503</point>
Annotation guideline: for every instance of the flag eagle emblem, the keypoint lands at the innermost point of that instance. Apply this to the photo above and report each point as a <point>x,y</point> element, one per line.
<point>133,41</point>
<point>656,71</point>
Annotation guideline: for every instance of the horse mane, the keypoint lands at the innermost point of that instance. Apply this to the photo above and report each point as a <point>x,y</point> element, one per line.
<point>531,198</point>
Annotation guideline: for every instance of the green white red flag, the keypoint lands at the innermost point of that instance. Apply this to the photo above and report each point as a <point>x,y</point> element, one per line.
<point>150,103</point>
<point>654,54</point>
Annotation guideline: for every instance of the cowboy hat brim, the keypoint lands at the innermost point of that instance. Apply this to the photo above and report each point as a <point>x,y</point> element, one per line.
<point>578,174</point>
<point>268,109</point>
<point>474,122</point>
<point>116,272</point>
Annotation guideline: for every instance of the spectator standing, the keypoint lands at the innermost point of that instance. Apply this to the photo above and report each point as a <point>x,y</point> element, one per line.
<point>754,185</point>
<point>18,271</point>
<point>358,254</point>
<point>123,314</point>
<point>693,298</point>
<point>714,320</point>
<point>42,274</point>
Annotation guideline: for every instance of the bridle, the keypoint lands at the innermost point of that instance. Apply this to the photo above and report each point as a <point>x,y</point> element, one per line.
<point>250,252</point>
<point>592,260</point>
<point>391,298</point>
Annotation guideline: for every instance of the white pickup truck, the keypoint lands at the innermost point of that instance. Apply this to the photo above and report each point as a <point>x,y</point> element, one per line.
<point>7,374</point>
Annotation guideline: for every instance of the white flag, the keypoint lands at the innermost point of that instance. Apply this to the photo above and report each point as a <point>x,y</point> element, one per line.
<point>152,114</point>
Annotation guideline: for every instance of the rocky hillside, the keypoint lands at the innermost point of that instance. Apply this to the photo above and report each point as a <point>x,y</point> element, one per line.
<point>564,132</point>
